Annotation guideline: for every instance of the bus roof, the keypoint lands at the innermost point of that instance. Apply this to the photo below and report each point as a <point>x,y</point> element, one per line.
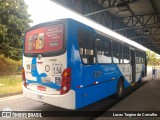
<point>102,30</point>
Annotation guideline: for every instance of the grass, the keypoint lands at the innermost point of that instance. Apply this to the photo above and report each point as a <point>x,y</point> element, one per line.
<point>10,84</point>
<point>9,66</point>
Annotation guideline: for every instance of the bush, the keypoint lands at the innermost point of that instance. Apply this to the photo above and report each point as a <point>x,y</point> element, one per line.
<point>9,66</point>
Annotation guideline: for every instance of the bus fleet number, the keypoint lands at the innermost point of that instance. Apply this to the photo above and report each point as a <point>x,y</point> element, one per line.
<point>97,74</point>
<point>57,70</point>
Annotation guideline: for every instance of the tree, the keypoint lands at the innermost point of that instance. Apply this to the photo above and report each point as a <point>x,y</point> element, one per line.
<point>158,61</point>
<point>152,60</point>
<point>14,20</point>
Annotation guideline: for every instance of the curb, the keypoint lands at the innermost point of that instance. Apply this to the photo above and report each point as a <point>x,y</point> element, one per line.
<point>10,94</point>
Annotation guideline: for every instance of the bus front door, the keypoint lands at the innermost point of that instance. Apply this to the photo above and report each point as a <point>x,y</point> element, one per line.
<point>133,65</point>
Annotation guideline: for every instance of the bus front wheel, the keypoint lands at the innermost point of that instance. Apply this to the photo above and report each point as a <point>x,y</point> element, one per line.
<point>120,89</point>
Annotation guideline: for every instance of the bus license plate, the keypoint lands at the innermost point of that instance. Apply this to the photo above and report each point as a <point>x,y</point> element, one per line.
<point>41,88</point>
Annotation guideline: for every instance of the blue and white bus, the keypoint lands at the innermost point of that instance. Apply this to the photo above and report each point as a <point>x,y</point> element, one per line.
<point>69,64</point>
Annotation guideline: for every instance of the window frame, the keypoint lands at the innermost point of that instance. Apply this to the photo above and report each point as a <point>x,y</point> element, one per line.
<point>90,32</point>
<point>121,51</point>
<point>126,45</point>
<point>101,37</point>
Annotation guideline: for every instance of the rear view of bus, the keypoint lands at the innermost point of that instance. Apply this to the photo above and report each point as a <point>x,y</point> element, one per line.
<point>46,77</point>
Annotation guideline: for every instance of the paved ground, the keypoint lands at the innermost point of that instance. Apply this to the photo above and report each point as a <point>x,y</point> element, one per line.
<point>19,103</point>
<point>146,98</point>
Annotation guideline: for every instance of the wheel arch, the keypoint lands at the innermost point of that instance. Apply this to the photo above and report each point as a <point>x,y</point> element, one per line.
<point>120,83</point>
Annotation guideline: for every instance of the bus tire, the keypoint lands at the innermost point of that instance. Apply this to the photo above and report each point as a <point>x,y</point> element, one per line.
<point>120,89</point>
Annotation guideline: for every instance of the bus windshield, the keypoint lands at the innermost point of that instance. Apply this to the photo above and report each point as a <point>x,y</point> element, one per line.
<point>45,39</point>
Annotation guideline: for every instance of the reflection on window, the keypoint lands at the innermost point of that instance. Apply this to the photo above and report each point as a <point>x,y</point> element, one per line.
<point>126,57</point>
<point>138,59</point>
<point>86,47</point>
<point>103,50</point>
<point>141,58</point>
<point>117,52</point>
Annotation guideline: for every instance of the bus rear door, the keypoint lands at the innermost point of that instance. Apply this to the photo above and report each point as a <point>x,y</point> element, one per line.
<point>133,65</point>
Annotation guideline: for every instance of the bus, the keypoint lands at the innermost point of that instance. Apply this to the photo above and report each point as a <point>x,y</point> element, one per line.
<point>69,64</point>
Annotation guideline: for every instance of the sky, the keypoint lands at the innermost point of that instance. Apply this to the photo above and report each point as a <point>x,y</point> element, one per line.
<point>45,10</point>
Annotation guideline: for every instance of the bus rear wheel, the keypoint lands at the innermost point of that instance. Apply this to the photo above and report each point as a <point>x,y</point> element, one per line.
<point>120,89</point>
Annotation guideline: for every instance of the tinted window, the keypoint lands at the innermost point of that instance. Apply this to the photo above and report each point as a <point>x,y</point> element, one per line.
<point>138,58</point>
<point>117,52</point>
<point>142,57</point>
<point>103,50</point>
<point>87,46</point>
<point>126,57</point>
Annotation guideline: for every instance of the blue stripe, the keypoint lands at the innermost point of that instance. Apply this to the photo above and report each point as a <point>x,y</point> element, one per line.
<point>38,76</point>
<point>52,85</point>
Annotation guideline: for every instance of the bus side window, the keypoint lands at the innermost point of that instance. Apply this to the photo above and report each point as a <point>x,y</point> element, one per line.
<point>126,57</point>
<point>142,57</point>
<point>117,52</point>
<point>103,50</point>
<point>137,57</point>
<point>86,47</point>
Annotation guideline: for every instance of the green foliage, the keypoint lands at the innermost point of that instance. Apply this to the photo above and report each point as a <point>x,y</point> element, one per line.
<point>9,66</point>
<point>14,21</point>
<point>152,59</point>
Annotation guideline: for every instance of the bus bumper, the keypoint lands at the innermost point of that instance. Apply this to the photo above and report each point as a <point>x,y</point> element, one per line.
<point>65,101</point>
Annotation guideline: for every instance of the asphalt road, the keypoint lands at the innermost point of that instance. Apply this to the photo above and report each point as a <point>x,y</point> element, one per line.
<point>20,103</point>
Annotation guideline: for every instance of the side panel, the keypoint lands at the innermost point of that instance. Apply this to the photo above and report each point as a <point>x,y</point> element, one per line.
<point>99,85</point>
<point>99,91</point>
<point>74,61</point>
<point>126,72</point>
<point>139,69</point>
<point>93,82</point>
